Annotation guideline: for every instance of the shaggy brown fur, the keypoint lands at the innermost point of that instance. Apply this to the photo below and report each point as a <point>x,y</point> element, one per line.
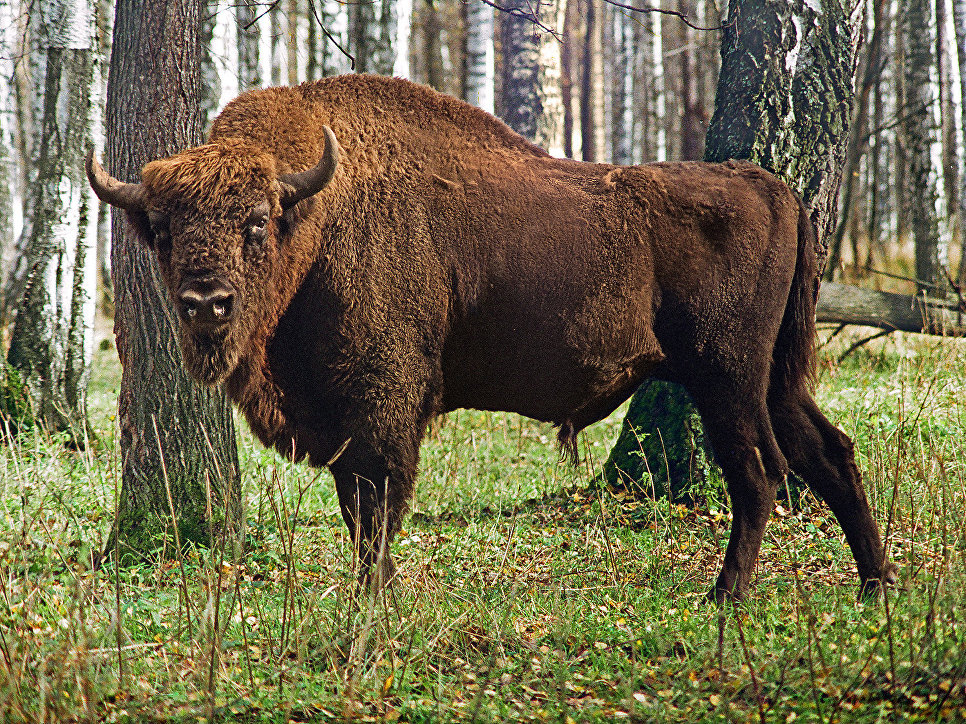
<point>450,263</point>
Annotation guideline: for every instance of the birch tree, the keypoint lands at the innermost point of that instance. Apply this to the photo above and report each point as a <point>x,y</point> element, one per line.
<point>480,63</point>
<point>918,133</point>
<point>623,124</point>
<point>550,125</point>
<point>50,345</point>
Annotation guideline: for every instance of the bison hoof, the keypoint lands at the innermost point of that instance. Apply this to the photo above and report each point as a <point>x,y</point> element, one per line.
<point>870,588</point>
<point>720,596</point>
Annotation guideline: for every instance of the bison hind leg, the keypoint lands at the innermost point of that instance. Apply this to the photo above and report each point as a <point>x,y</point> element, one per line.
<point>823,456</point>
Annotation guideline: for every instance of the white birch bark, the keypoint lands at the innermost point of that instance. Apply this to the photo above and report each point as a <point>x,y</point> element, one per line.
<point>51,341</point>
<point>480,56</point>
<point>247,38</point>
<point>551,116</point>
<point>7,157</point>
<point>404,19</point>
<point>919,136</point>
<point>622,92</point>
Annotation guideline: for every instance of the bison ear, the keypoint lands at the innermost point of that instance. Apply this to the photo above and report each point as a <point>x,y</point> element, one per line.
<point>295,187</point>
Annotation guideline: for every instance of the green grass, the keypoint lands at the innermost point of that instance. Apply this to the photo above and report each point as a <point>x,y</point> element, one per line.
<point>522,594</point>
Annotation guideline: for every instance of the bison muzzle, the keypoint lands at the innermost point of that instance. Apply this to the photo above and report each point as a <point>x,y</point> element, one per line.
<point>347,295</point>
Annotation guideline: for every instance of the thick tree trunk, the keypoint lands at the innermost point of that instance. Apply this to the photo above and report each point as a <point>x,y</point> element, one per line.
<point>364,36</point>
<point>784,101</point>
<point>51,342</point>
<point>177,440</point>
<point>568,72</point>
<point>432,46</point>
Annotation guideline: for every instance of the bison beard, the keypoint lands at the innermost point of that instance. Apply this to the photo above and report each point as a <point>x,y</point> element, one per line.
<point>442,261</point>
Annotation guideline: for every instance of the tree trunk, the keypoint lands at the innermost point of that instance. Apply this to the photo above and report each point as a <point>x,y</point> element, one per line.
<point>947,121</point>
<point>177,440</point>
<point>480,69</point>
<point>432,46</point>
<point>8,166</point>
<point>623,123</point>
<point>692,113</point>
<point>784,101</point>
<point>51,342</point>
<point>917,131</point>
<point>520,44</point>
<point>400,45</point>
<point>858,145</point>
<point>568,72</point>
<point>959,21</point>
<point>550,120</point>
<point>845,304</point>
<point>364,36</point>
<point>248,37</point>
<point>275,43</point>
<point>588,90</point>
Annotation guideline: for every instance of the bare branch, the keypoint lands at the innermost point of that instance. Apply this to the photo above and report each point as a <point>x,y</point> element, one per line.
<point>676,13</point>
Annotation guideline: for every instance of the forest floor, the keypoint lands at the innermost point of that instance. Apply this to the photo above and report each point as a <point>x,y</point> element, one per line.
<point>523,593</point>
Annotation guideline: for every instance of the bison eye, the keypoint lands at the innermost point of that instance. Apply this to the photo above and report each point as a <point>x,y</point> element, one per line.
<point>256,230</point>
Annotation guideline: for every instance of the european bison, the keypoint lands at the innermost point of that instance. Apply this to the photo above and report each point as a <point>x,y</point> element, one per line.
<point>439,260</point>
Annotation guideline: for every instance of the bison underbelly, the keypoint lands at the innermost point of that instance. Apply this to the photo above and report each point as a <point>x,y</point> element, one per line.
<point>548,385</point>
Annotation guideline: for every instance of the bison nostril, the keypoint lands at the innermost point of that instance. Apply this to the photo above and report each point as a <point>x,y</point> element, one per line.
<point>207,302</point>
<point>221,307</point>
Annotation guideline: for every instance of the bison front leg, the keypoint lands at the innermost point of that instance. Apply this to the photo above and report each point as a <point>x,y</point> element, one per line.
<point>374,491</point>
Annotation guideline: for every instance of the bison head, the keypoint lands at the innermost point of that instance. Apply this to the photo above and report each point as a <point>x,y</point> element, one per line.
<point>220,219</point>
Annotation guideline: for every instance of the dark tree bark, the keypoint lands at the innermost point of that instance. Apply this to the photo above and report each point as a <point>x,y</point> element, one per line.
<point>432,46</point>
<point>692,112</point>
<point>175,435</point>
<point>784,101</point>
<point>248,35</point>
<point>588,118</point>
<point>858,147</point>
<point>959,21</point>
<point>520,102</point>
<point>567,73</point>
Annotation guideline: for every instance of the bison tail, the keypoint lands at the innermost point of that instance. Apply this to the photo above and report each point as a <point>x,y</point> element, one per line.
<point>794,355</point>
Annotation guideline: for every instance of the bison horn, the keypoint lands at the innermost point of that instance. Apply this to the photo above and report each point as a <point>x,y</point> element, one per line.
<point>298,186</point>
<point>110,190</point>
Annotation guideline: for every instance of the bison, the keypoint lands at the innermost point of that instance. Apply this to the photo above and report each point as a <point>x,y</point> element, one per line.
<point>346,292</point>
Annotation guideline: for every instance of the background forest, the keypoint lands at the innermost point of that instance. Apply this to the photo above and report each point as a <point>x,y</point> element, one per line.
<point>528,589</point>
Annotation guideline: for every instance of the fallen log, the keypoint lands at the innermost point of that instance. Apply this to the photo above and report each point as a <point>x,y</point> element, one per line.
<point>847,304</point>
